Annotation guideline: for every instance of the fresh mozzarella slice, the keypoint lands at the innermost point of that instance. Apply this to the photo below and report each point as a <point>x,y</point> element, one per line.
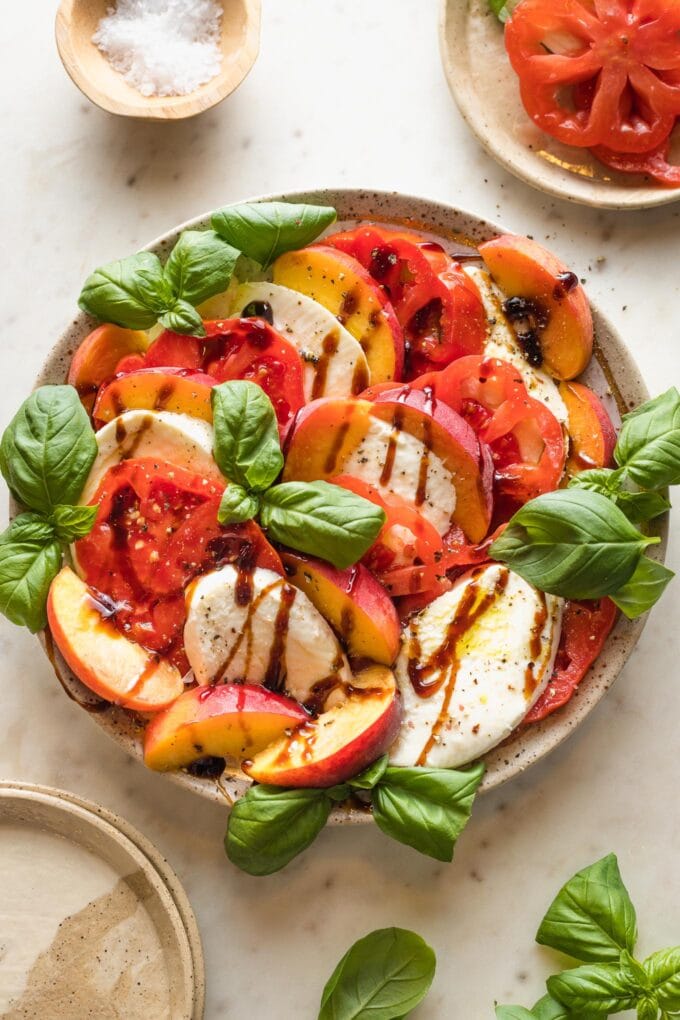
<point>367,461</point>
<point>334,363</point>
<point>502,343</point>
<point>178,438</point>
<point>259,628</point>
<point>472,664</point>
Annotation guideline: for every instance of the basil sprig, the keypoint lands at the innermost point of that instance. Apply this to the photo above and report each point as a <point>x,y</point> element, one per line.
<point>426,809</point>
<point>580,542</point>
<point>314,517</point>
<point>383,976</point>
<point>46,454</point>
<point>265,230</point>
<point>592,920</point>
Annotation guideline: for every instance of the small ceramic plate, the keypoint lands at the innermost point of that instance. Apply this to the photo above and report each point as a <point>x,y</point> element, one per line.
<point>612,374</point>
<point>91,915</point>
<point>487,93</point>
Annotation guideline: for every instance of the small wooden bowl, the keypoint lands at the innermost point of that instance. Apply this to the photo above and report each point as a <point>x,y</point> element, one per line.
<point>90,70</point>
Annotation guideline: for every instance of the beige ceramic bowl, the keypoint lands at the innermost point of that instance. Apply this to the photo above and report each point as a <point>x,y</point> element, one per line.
<point>612,374</point>
<point>487,93</point>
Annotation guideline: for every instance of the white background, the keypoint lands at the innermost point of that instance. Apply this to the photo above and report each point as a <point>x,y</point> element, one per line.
<point>342,94</point>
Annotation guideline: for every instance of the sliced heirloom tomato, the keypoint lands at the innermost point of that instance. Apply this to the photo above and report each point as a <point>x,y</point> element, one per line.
<point>585,628</point>
<point>156,529</point>
<point>654,164</point>
<point>620,54</point>
<point>436,303</point>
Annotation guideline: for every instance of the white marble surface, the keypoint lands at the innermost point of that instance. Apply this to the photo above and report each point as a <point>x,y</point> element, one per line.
<point>343,94</point>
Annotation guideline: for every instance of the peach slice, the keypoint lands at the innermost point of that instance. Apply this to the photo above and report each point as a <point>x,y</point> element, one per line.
<point>592,434</point>
<point>354,603</point>
<point>101,657</point>
<point>342,285</point>
<point>151,389</point>
<point>228,721</point>
<point>339,743</point>
<point>95,360</point>
<point>548,297</point>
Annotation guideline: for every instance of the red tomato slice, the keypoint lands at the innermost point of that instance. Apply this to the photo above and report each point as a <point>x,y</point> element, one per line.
<point>436,303</point>
<point>156,529</point>
<point>175,349</point>
<point>585,628</point>
<point>130,363</point>
<point>622,49</point>
<point>653,164</point>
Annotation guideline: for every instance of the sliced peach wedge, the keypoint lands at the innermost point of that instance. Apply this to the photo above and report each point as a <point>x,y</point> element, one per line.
<point>102,658</point>
<point>342,285</point>
<point>546,298</point>
<point>592,434</point>
<point>154,389</point>
<point>95,360</point>
<point>339,743</point>
<point>229,721</point>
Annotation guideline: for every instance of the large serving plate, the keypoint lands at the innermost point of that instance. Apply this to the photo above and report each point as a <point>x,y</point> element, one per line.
<point>612,374</point>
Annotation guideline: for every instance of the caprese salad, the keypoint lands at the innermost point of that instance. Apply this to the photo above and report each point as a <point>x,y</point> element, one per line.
<point>334,514</point>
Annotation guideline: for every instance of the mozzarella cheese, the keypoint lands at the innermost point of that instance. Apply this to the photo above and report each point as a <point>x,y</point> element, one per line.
<point>334,363</point>
<point>502,343</point>
<point>368,459</point>
<point>277,635</point>
<point>487,650</point>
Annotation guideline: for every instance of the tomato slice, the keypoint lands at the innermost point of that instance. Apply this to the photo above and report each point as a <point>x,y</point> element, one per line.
<point>175,349</point>
<point>654,164</point>
<point>156,529</point>
<point>436,303</point>
<point>585,628</point>
<point>625,51</point>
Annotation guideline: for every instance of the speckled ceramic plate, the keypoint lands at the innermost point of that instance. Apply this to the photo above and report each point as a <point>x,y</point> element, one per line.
<point>93,916</point>
<point>612,374</point>
<point>487,93</point>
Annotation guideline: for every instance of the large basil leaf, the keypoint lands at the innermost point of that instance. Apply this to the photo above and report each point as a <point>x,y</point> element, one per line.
<point>592,917</point>
<point>200,265</point>
<point>548,1008</point>
<point>131,292</point>
<point>426,808</point>
<point>637,506</point>
<point>648,447</point>
<point>321,519</point>
<point>643,589</point>
<point>30,557</point>
<point>382,977</point>
<point>269,826</point>
<point>264,230</point>
<point>247,446</point>
<point>596,989</point>
<point>48,448</point>
<point>572,543</point>
<point>663,972</point>
<point>71,522</point>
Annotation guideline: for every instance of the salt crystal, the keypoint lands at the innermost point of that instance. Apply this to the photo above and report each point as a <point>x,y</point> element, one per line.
<point>162,47</point>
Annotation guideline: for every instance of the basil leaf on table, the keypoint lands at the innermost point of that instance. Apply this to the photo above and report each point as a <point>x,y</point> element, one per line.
<point>183,318</point>
<point>247,446</point>
<point>237,505</point>
<point>592,917</point>
<point>643,589</point>
<point>572,543</point>
<point>663,972</point>
<point>548,1008</point>
<point>596,989</point>
<point>321,519</point>
<point>648,447</point>
<point>637,506</point>
<point>383,976</point>
<point>514,1013</point>
<point>71,522</point>
<point>426,808</point>
<point>131,292</point>
<point>48,448</point>
<point>30,557</point>
<point>200,265</point>
<point>264,230</point>
<point>269,826</point>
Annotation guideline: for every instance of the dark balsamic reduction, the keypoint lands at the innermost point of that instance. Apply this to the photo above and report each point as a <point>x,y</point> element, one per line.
<point>209,767</point>
<point>565,284</point>
<point>259,310</point>
<point>329,347</point>
<point>530,317</point>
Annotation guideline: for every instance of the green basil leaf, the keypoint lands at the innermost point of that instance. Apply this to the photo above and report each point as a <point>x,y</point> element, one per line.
<point>548,1008</point>
<point>30,557</point>
<point>264,230</point>
<point>637,506</point>
<point>647,1009</point>
<point>648,447</point>
<point>572,543</point>
<point>183,318</point>
<point>383,976</point>
<point>663,972</point>
<point>592,917</point>
<point>371,776</point>
<point>269,826</point>
<point>131,292</point>
<point>595,989</point>
<point>426,808</point>
<point>339,793</point>
<point>71,522</point>
<point>247,448</point>
<point>237,505</point>
<point>633,972</point>
<point>48,448</point>
<point>502,8</point>
<point>200,265</point>
<point>322,519</point>
<point>643,589</point>
<point>514,1013</point>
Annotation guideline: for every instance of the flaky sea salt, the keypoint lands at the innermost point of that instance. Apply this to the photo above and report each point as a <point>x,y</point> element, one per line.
<point>162,47</point>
